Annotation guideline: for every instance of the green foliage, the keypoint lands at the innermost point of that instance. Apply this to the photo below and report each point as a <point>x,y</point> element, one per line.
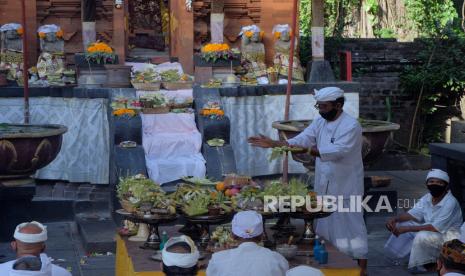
<point>441,74</point>
<point>385,33</point>
<point>430,16</point>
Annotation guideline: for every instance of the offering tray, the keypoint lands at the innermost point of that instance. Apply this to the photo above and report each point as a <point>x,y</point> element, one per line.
<point>308,235</point>
<point>204,221</point>
<point>153,221</point>
<point>212,219</point>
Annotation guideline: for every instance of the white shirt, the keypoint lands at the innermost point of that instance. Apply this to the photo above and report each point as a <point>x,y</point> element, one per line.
<point>443,216</point>
<point>48,269</point>
<point>248,259</point>
<point>339,170</point>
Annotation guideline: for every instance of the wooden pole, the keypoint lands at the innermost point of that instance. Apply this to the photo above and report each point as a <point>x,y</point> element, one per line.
<point>289,81</point>
<point>25,64</point>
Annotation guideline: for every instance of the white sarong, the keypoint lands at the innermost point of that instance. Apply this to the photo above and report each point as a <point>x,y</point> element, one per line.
<point>424,246</point>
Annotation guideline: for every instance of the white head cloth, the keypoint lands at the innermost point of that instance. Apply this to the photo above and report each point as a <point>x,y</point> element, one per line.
<point>31,238</point>
<point>303,270</point>
<point>184,260</point>
<point>328,94</point>
<point>9,27</point>
<point>439,174</point>
<point>281,28</point>
<point>252,28</point>
<point>247,224</point>
<point>48,29</point>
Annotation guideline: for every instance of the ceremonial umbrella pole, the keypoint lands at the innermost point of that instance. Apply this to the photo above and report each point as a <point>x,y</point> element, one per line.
<point>25,65</point>
<point>289,81</point>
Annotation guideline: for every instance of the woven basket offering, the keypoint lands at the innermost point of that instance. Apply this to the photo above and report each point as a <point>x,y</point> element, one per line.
<point>153,86</point>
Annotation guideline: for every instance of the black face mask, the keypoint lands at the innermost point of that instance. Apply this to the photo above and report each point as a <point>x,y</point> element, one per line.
<point>436,190</point>
<point>330,115</point>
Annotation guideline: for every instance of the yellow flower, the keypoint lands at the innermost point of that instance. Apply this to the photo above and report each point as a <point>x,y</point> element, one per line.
<point>262,34</point>
<point>59,34</point>
<point>277,35</point>
<point>210,111</point>
<point>214,47</point>
<point>42,35</point>
<point>248,34</point>
<point>20,31</point>
<point>124,111</point>
<point>99,47</point>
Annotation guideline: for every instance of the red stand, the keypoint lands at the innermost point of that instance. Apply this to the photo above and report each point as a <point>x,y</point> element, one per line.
<point>346,65</point>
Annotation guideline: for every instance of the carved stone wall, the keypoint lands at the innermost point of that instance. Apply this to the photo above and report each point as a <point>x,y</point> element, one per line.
<point>237,13</point>
<point>67,14</point>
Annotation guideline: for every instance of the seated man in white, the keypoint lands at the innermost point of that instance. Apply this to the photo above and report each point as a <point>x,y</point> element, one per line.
<point>249,259</point>
<point>303,270</point>
<point>422,230</point>
<point>29,245</point>
<point>180,256</point>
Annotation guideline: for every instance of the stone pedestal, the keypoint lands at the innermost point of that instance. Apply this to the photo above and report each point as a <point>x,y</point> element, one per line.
<point>319,71</point>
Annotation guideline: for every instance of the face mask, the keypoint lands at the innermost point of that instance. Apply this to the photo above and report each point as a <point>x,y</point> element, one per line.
<point>436,190</point>
<point>330,115</point>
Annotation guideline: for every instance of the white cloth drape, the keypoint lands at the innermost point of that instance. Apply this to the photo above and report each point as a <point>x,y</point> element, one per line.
<point>172,146</point>
<point>253,115</point>
<point>85,152</point>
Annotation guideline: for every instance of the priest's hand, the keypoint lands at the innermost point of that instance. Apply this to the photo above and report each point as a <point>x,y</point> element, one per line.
<point>314,151</point>
<point>263,141</point>
<point>399,230</point>
<point>391,224</point>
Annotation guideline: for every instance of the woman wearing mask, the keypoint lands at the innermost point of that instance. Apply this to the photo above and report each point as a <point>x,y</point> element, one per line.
<point>422,230</point>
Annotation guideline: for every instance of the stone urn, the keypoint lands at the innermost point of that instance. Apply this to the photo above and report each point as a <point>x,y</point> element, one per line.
<point>26,148</point>
<point>375,136</point>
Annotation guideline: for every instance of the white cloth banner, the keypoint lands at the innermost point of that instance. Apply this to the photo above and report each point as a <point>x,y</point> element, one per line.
<point>85,151</point>
<point>172,146</point>
<point>253,115</point>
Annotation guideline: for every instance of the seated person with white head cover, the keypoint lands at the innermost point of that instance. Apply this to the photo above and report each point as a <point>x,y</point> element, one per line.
<point>180,257</point>
<point>249,258</point>
<point>29,245</point>
<point>303,270</point>
<point>422,230</point>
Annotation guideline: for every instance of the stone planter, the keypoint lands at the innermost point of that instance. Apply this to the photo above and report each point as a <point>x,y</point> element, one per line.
<point>27,148</point>
<point>81,62</point>
<point>375,135</point>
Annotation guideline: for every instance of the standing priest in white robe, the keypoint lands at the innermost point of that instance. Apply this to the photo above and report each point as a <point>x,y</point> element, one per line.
<point>421,231</point>
<point>335,139</point>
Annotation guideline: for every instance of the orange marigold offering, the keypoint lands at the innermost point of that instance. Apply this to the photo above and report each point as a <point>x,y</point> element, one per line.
<point>248,34</point>
<point>124,111</point>
<point>42,35</point>
<point>59,34</point>
<point>215,47</point>
<point>99,47</point>
<point>20,31</point>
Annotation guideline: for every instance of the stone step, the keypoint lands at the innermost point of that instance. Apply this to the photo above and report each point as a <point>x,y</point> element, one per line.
<point>98,233</point>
